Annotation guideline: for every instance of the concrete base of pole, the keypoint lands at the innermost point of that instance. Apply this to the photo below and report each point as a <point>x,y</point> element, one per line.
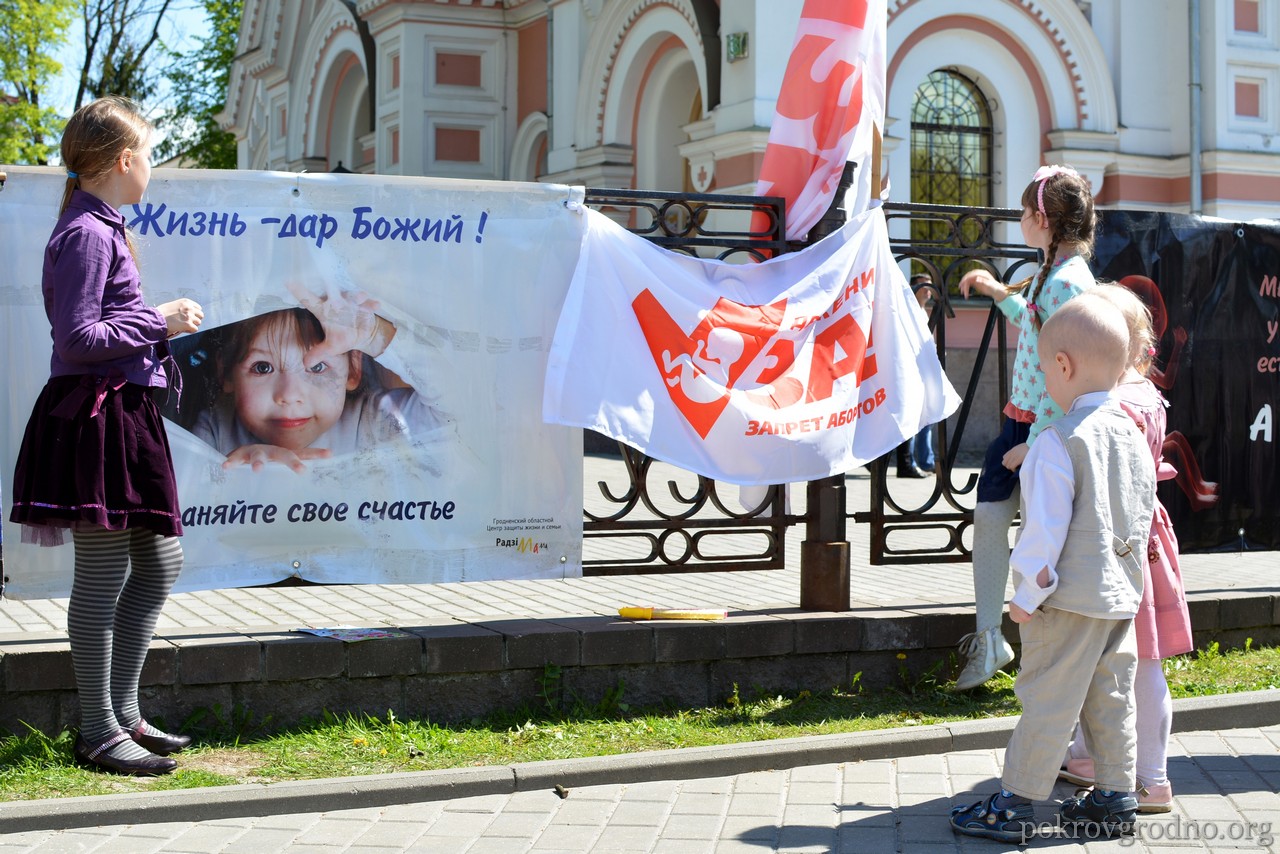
<point>824,576</point>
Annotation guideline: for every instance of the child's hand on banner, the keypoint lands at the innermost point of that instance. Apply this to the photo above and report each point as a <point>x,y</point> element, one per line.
<point>256,456</point>
<point>350,322</point>
<point>181,315</point>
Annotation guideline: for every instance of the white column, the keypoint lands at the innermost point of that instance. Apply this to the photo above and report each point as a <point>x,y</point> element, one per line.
<point>1151,77</point>
<point>749,87</point>
<point>565,24</point>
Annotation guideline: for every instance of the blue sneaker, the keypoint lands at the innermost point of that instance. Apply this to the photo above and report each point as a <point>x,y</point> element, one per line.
<point>1111,814</point>
<point>1012,824</point>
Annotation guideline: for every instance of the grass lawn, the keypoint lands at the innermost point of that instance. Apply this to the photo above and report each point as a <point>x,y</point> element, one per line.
<point>232,745</point>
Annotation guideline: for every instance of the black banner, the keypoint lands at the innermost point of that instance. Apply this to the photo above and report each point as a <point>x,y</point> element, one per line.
<point>1212,288</point>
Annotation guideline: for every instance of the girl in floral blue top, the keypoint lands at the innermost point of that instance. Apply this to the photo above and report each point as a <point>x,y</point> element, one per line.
<point>1058,219</point>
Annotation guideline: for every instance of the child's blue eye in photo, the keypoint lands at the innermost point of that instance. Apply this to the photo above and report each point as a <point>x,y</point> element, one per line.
<point>318,368</point>
<point>261,368</point>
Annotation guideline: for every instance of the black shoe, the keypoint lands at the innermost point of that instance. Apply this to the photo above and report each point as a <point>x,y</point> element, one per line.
<point>910,471</point>
<point>1112,815</point>
<point>1014,824</point>
<point>162,744</point>
<point>148,766</point>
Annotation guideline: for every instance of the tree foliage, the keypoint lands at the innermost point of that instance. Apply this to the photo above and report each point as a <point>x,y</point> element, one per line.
<point>30,31</point>
<point>122,54</point>
<point>118,37</point>
<point>199,81</point>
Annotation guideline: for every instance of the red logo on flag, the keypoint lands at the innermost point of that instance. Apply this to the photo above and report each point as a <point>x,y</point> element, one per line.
<point>701,368</point>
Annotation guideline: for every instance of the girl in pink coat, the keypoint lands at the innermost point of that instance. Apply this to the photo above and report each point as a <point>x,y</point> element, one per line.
<point>1163,623</point>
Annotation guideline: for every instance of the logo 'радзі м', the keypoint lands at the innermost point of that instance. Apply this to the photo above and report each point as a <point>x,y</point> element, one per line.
<point>521,544</point>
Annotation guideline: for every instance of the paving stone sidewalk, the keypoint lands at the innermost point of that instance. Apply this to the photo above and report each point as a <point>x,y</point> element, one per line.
<point>1226,785</point>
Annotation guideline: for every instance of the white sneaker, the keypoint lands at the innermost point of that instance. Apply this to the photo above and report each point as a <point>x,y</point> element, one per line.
<point>986,651</point>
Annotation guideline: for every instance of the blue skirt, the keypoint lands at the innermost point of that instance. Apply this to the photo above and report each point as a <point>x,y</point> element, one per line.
<point>996,483</point>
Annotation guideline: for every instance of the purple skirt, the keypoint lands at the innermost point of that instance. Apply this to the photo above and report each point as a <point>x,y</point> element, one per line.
<point>95,452</point>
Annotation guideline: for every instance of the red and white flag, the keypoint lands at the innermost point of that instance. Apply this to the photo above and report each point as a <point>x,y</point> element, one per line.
<point>830,104</point>
<point>747,373</point>
<point>797,368</point>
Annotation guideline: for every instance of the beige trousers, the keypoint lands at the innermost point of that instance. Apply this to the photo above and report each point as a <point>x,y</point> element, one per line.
<point>1074,667</point>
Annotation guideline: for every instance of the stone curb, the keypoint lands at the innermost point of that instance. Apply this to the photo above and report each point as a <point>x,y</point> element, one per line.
<point>1245,710</point>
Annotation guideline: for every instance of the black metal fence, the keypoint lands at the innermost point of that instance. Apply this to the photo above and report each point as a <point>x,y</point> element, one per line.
<point>655,523</point>
<point>972,239</point>
<point>662,536</point>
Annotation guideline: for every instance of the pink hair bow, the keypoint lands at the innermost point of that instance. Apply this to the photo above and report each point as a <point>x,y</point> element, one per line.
<point>1043,174</point>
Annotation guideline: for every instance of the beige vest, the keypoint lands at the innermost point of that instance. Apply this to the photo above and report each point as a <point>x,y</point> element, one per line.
<point>1100,568</point>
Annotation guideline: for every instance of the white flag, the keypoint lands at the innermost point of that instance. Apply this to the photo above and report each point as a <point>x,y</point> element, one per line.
<point>800,367</point>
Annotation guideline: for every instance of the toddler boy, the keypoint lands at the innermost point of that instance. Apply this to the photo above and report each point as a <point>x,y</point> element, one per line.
<point>1088,487</point>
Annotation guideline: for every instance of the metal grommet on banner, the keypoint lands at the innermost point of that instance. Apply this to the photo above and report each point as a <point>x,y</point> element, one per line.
<point>576,198</point>
<point>297,184</point>
<point>1240,231</point>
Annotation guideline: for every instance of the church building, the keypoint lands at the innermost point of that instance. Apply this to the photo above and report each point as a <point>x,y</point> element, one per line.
<point>678,95</point>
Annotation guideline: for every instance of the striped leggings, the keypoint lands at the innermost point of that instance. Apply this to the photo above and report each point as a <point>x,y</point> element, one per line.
<point>110,619</point>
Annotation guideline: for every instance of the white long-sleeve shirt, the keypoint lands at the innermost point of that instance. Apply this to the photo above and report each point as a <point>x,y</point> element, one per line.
<point>1048,492</point>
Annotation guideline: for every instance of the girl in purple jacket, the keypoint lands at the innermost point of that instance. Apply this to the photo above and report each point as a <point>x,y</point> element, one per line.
<point>95,458</point>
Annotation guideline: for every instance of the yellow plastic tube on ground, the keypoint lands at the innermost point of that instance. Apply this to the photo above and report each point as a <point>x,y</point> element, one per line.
<point>649,613</point>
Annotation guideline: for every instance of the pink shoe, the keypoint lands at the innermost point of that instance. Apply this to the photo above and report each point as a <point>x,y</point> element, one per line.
<point>1153,799</point>
<point>1077,771</point>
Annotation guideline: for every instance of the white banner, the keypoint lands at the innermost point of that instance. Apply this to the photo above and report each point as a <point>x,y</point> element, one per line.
<point>425,462</point>
<point>800,367</point>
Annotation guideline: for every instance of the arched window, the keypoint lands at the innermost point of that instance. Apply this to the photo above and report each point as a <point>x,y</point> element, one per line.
<point>950,157</point>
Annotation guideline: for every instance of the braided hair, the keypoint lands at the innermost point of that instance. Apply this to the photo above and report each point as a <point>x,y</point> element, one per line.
<point>1065,200</point>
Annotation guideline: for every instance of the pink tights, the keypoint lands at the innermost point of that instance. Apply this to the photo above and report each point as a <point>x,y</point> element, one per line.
<point>1155,720</point>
